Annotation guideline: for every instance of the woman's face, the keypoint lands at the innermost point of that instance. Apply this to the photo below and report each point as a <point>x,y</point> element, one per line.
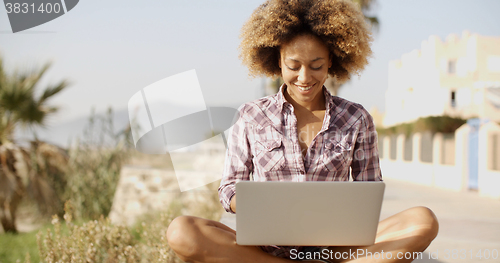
<point>304,63</point>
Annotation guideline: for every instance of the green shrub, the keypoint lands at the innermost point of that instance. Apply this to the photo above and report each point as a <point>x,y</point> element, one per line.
<point>94,241</point>
<point>101,241</point>
<point>94,167</point>
<point>433,124</point>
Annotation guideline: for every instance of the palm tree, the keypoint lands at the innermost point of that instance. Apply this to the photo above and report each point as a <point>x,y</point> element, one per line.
<point>366,6</point>
<point>21,169</point>
<point>331,83</point>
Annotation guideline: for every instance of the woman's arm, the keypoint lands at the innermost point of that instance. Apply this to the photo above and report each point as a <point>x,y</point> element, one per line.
<point>233,204</point>
<point>365,165</point>
<point>238,163</point>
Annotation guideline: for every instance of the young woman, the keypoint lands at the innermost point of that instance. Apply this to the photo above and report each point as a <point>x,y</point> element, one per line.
<point>302,133</point>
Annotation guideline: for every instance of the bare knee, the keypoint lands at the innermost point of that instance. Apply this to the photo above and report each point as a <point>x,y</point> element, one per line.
<point>424,224</point>
<point>182,236</point>
<point>423,216</point>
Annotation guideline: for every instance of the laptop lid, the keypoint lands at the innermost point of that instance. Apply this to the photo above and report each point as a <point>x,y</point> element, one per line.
<point>308,213</point>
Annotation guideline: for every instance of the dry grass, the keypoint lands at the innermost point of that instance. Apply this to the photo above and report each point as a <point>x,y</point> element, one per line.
<point>101,241</point>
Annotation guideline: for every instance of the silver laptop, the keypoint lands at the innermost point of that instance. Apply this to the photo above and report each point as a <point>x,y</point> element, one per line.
<point>308,213</point>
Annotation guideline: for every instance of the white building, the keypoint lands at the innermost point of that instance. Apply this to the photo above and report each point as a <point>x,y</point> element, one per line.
<point>459,77</point>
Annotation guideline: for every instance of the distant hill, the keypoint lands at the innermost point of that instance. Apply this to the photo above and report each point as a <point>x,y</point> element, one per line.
<point>63,133</point>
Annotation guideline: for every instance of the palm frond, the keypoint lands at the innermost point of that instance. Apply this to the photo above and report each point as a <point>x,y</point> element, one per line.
<point>374,22</point>
<point>51,91</point>
<point>33,78</point>
<point>31,113</point>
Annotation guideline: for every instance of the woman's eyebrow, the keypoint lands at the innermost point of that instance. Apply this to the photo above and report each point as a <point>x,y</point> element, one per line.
<point>314,60</point>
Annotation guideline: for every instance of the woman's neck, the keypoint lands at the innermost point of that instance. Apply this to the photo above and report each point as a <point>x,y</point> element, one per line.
<point>316,104</point>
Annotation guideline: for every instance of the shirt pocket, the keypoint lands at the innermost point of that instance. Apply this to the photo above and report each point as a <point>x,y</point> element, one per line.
<point>336,156</point>
<point>270,157</point>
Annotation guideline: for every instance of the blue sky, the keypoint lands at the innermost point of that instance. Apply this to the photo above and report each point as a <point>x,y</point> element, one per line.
<point>111,49</point>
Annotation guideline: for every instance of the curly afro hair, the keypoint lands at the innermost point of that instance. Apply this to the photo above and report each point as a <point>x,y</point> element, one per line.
<point>339,23</point>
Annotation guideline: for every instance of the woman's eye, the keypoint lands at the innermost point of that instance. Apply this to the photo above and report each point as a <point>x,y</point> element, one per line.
<point>298,68</point>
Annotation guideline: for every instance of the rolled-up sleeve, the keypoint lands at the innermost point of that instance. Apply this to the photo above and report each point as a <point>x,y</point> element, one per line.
<point>238,161</point>
<point>365,165</point>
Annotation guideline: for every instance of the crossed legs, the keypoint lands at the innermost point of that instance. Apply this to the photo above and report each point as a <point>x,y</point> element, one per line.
<point>409,231</point>
<point>200,240</point>
<point>196,239</point>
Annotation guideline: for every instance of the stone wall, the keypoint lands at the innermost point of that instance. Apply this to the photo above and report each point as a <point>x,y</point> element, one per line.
<point>143,190</point>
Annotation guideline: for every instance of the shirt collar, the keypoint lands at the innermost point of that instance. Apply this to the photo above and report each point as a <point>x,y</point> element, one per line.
<point>282,100</point>
<point>281,97</point>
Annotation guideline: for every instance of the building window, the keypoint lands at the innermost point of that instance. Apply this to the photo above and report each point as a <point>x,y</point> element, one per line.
<point>452,66</point>
<point>453,99</point>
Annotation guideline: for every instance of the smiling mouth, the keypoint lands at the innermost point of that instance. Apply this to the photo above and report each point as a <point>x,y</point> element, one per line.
<point>305,88</point>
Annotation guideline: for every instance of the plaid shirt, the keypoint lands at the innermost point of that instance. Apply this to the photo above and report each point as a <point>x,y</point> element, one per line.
<point>263,146</point>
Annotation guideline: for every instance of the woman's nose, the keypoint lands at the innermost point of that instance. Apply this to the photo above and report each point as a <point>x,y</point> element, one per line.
<point>304,75</point>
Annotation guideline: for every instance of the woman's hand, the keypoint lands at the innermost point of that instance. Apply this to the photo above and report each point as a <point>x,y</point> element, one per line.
<point>233,203</point>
